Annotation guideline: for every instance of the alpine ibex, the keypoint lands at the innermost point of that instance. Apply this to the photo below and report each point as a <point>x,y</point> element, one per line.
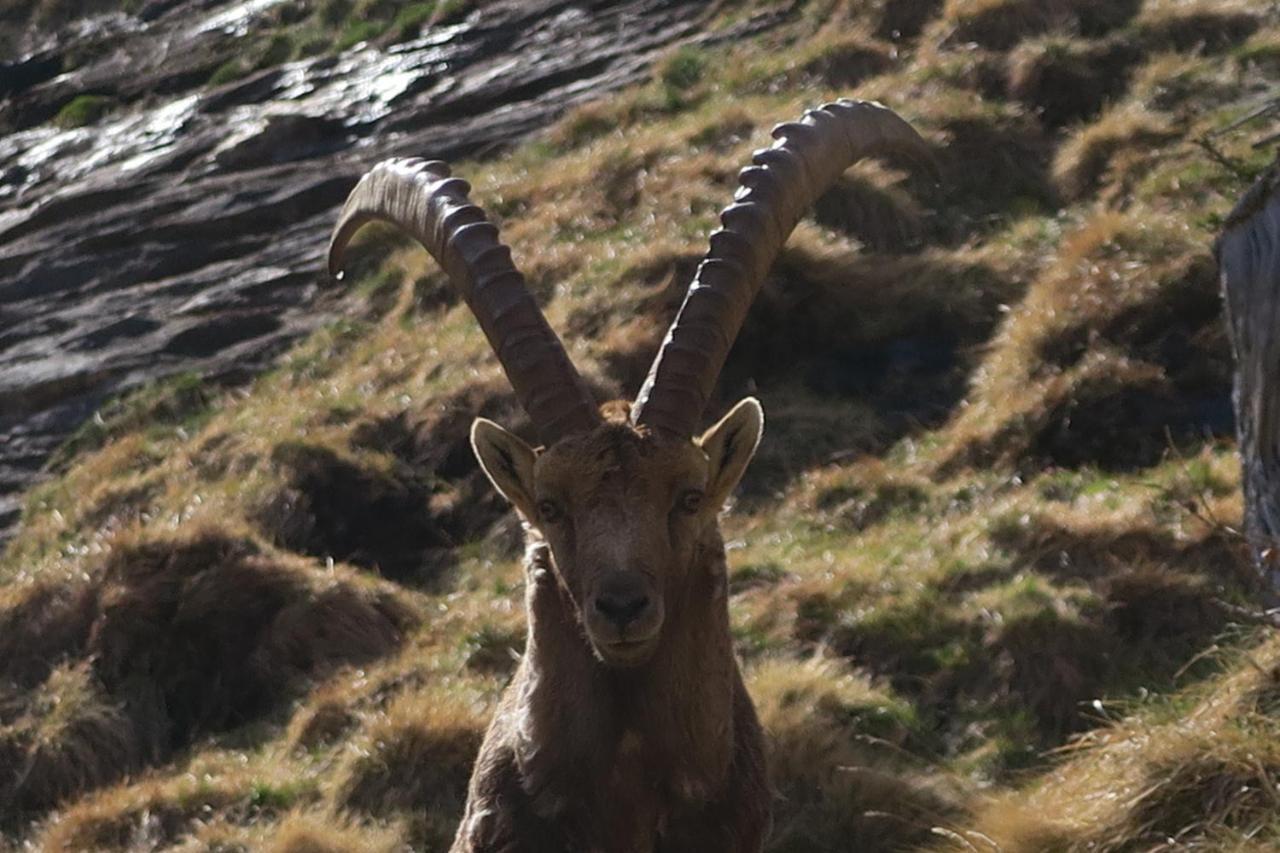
<point>627,727</point>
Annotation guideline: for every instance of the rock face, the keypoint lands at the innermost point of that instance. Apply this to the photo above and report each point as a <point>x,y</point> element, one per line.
<point>184,231</point>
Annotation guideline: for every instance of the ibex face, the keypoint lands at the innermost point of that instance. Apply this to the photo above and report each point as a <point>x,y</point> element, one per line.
<point>624,511</point>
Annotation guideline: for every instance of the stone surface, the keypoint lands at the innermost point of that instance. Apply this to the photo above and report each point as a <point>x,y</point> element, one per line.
<point>184,230</point>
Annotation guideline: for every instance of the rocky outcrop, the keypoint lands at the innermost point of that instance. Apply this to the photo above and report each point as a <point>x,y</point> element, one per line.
<point>184,230</point>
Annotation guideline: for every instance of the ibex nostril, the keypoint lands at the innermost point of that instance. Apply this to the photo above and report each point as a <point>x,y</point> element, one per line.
<point>621,608</point>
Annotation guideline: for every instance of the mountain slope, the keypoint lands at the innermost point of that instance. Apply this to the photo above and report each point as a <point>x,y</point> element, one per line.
<point>995,513</point>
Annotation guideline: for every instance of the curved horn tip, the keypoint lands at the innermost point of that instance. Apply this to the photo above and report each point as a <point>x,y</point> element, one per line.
<point>908,142</point>
<point>792,128</point>
<point>392,169</point>
<point>337,250</point>
<point>439,167</point>
<point>334,262</point>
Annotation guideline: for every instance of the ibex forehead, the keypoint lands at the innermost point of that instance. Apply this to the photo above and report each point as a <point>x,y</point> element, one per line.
<point>619,455</point>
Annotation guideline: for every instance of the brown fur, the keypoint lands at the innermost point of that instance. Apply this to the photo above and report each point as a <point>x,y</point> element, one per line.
<point>592,752</point>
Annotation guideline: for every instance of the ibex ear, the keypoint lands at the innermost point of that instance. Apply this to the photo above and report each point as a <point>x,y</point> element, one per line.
<point>729,446</point>
<point>507,462</point>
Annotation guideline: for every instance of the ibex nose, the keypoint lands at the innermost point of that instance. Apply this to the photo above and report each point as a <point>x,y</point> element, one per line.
<point>621,600</point>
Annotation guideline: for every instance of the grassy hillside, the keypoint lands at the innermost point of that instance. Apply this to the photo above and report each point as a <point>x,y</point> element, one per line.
<point>987,578</point>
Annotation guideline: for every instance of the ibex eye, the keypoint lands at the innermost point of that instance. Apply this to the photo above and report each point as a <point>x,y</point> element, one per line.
<point>548,511</point>
<point>691,501</point>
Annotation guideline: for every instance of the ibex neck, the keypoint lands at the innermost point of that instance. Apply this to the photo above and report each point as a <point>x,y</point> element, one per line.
<point>670,720</point>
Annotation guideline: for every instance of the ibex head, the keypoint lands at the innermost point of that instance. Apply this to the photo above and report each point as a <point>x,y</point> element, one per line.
<point>625,511</point>
<point>625,496</point>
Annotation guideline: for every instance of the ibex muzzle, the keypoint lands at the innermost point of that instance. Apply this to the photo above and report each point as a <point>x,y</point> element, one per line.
<point>624,609</point>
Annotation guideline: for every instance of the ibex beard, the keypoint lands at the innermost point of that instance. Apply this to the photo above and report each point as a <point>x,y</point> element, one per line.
<point>627,727</point>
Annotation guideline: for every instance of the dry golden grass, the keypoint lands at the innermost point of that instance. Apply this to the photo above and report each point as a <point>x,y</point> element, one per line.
<point>413,762</point>
<point>1069,79</point>
<point>286,611</point>
<point>180,636</point>
<point>1002,23</point>
<point>1261,50</point>
<point>1197,25</point>
<point>1191,781</point>
<point>1098,152</point>
<point>1097,326</point>
<point>62,738</point>
<point>871,205</point>
<point>149,814</point>
<point>320,833</point>
<point>834,741</point>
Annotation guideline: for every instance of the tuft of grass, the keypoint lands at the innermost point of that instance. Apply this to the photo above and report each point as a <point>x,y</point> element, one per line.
<point>279,49</point>
<point>270,796</point>
<point>60,739</point>
<point>1190,26</point>
<point>1069,79</point>
<point>1261,50</point>
<point>188,635</point>
<point>317,832</point>
<point>1176,82</point>
<point>495,649</point>
<point>1075,357</point>
<point>584,123</point>
<point>160,810</point>
<point>180,403</point>
<point>1000,24</point>
<point>324,720</point>
<point>84,110</point>
<point>680,73</point>
<point>1096,153</point>
<point>862,504</point>
<point>684,69</point>
<point>410,18</point>
<point>834,740</point>
<point>359,31</point>
<point>228,72</point>
<point>420,753</point>
<point>995,23</point>
<point>846,62</point>
<point>1204,775</point>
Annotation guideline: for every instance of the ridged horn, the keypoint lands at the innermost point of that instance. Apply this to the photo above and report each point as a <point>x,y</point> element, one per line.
<point>783,181</point>
<point>421,198</point>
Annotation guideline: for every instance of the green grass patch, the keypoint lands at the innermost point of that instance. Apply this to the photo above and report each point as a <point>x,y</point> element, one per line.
<point>279,797</point>
<point>83,110</point>
<point>680,74</point>
<point>182,402</point>
<point>357,32</point>
<point>278,50</point>
<point>409,20</point>
<point>230,71</point>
